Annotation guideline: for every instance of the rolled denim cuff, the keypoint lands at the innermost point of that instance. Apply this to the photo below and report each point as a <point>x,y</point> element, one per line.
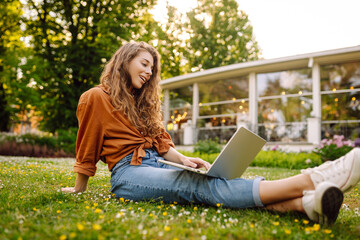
<point>256,193</point>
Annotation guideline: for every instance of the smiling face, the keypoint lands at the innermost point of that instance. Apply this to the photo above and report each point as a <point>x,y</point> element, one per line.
<point>140,69</point>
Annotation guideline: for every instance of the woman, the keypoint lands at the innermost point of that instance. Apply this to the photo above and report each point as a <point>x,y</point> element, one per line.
<point>120,123</point>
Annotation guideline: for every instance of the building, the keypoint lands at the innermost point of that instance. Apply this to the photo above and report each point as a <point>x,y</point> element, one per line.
<point>296,99</point>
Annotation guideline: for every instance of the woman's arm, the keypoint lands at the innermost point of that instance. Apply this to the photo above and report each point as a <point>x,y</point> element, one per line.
<point>80,184</point>
<point>174,156</point>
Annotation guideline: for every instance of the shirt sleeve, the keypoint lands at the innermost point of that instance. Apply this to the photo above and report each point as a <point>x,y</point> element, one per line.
<point>164,143</point>
<point>90,135</point>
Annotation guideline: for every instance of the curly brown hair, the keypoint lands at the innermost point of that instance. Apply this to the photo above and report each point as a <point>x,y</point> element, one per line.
<point>141,106</point>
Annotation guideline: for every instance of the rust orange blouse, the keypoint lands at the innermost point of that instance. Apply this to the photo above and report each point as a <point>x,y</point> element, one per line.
<point>106,134</point>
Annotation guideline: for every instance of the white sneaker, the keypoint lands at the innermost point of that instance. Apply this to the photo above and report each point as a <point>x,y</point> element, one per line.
<point>322,205</point>
<point>344,172</point>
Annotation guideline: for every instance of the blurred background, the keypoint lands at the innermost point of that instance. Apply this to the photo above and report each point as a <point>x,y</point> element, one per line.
<point>51,51</point>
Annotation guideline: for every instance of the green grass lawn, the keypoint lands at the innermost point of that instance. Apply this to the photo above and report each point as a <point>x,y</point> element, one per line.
<point>33,207</point>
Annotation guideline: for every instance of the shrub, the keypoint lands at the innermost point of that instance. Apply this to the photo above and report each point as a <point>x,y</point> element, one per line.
<point>63,145</point>
<point>331,149</point>
<point>278,159</point>
<point>291,160</point>
<point>208,146</point>
<point>66,140</point>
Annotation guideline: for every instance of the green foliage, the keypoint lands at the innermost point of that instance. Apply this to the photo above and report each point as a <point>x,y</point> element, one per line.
<point>66,139</point>
<point>170,46</point>
<point>290,160</point>
<point>331,149</point>
<point>11,50</point>
<point>71,41</point>
<point>220,34</point>
<point>278,159</point>
<point>31,139</point>
<point>63,144</point>
<point>32,207</point>
<point>208,146</point>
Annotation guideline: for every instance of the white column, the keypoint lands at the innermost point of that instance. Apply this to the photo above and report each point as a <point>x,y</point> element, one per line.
<point>195,110</point>
<point>314,123</point>
<point>253,104</point>
<point>166,107</point>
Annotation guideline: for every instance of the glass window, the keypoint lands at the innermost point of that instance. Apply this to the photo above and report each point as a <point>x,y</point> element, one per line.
<point>285,82</point>
<point>222,135</point>
<point>340,106</point>
<point>180,112</point>
<point>286,132</point>
<point>223,90</point>
<point>340,76</point>
<point>350,130</point>
<point>181,97</point>
<point>217,122</point>
<point>227,108</point>
<point>285,109</point>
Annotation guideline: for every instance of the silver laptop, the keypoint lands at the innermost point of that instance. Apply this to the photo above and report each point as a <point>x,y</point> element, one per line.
<point>235,157</point>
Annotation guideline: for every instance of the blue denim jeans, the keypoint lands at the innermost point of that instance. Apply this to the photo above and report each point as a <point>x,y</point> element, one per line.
<point>160,182</point>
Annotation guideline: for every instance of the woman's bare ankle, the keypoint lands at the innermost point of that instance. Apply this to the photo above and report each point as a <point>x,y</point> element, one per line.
<point>308,183</point>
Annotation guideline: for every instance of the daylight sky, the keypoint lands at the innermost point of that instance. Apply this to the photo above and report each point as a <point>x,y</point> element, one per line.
<point>290,27</point>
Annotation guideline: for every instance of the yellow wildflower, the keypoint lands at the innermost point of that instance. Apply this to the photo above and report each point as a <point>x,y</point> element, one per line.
<point>252,225</point>
<point>72,235</point>
<point>80,227</point>
<point>327,231</point>
<point>305,221</point>
<point>58,211</point>
<point>96,204</point>
<point>96,227</point>
<point>276,223</point>
<point>316,227</point>
<point>164,213</point>
<point>287,231</point>
<point>188,221</point>
<point>98,210</point>
<point>167,228</point>
<point>218,204</point>
<point>62,237</point>
<point>195,208</point>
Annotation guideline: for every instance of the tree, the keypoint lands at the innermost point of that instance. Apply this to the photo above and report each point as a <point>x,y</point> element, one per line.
<point>10,52</point>
<point>170,43</point>
<point>220,34</point>
<point>72,40</point>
